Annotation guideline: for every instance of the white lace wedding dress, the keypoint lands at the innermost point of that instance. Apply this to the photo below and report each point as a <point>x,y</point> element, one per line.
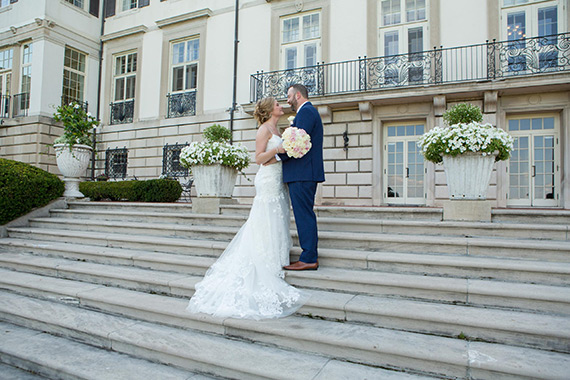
<point>247,280</point>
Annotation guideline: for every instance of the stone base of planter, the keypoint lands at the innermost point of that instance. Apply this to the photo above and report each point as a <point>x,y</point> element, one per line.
<point>467,210</point>
<point>210,205</point>
<point>72,188</point>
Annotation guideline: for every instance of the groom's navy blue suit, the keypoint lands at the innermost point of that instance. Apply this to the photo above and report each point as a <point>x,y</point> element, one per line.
<point>302,175</point>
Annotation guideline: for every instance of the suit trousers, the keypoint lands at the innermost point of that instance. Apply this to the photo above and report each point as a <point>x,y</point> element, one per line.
<point>302,196</point>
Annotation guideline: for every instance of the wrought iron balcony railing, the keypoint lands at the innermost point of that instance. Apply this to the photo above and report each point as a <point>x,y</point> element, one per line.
<point>488,61</point>
<point>21,104</point>
<point>65,100</point>
<point>181,104</point>
<point>122,112</point>
<point>5,106</point>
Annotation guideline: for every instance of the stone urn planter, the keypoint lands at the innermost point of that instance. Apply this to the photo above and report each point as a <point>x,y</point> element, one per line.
<point>214,180</point>
<point>72,163</point>
<point>468,175</point>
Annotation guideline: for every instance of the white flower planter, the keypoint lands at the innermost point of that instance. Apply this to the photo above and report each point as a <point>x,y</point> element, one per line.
<point>72,164</point>
<point>468,175</point>
<point>214,180</point>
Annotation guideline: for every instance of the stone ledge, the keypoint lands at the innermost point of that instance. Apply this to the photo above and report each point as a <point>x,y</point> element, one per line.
<point>468,210</point>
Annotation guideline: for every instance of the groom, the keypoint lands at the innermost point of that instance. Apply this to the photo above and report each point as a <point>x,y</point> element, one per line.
<point>302,175</point>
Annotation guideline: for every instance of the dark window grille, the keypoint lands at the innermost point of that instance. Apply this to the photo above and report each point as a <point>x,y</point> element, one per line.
<point>116,162</point>
<point>182,104</point>
<point>21,104</point>
<point>122,112</point>
<point>66,100</point>
<point>171,166</point>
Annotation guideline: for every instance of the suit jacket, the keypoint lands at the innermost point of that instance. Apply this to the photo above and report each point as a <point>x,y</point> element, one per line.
<point>310,167</point>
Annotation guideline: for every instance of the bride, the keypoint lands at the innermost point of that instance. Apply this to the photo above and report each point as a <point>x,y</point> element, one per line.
<point>247,280</point>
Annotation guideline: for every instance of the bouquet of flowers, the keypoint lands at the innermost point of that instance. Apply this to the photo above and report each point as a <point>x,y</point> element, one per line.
<point>296,142</point>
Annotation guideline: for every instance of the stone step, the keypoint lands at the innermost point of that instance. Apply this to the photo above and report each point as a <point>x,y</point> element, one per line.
<point>13,373</point>
<point>527,271</point>
<point>534,330</point>
<point>386,226</point>
<point>531,216</point>
<point>545,298</point>
<point>55,357</point>
<point>219,354</point>
<point>544,250</point>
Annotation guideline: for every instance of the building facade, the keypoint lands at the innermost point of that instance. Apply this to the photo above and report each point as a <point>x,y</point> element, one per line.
<point>381,73</point>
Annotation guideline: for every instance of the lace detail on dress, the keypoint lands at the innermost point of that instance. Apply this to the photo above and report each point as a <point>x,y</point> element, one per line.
<point>247,280</point>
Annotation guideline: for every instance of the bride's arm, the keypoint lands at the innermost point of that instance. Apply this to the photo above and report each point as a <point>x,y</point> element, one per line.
<point>261,156</point>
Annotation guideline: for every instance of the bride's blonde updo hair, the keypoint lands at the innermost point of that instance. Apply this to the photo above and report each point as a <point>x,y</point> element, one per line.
<point>264,109</point>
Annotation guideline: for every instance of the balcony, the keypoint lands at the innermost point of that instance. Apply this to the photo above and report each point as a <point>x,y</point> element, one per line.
<point>181,104</point>
<point>122,112</point>
<point>483,62</point>
<point>21,104</point>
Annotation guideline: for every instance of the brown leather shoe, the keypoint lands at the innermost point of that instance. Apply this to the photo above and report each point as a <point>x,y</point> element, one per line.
<point>299,265</point>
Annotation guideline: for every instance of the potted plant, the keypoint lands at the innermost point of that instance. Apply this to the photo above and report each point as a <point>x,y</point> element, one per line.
<point>468,148</point>
<point>214,162</point>
<point>73,149</point>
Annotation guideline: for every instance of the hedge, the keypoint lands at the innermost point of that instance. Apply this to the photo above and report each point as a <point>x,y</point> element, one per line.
<point>24,187</point>
<point>154,190</point>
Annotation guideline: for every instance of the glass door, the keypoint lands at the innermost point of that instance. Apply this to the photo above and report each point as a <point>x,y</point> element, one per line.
<point>404,169</point>
<point>534,167</point>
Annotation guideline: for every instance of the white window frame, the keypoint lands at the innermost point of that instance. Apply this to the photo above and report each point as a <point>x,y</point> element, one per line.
<point>26,67</point>
<point>404,198</point>
<point>79,73</point>
<point>530,10</point>
<point>534,202</point>
<point>81,4</point>
<point>302,42</point>
<point>195,61</point>
<point>125,6</point>
<point>402,28</point>
<point>126,75</point>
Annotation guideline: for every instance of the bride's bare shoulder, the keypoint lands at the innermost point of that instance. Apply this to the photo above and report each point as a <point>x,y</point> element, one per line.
<point>263,131</point>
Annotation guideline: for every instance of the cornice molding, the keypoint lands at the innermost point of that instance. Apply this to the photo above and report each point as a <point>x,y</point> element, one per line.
<point>124,33</point>
<point>206,12</point>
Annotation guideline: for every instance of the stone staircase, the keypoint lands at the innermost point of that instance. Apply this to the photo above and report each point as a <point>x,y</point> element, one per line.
<point>98,290</point>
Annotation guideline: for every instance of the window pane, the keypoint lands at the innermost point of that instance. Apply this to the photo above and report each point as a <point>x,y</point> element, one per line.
<point>191,76</point>
<point>391,43</point>
<point>177,78</point>
<point>415,40</point>
<point>130,90</point>
<point>178,53</point>
<point>291,30</point>
<point>390,12</point>
<point>290,58</point>
<point>415,10</point>
<point>311,26</point>
<point>547,21</point>
<point>549,123</point>
<point>193,50</point>
<point>119,88</point>
<point>310,55</point>
<point>516,26</point>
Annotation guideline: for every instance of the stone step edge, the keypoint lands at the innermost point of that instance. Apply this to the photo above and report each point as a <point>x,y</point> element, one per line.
<point>54,357</point>
<point>331,220</point>
<point>331,235</point>
<point>463,287</point>
<point>347,308</point>
<point>444,260</point>
<point>165,343</point>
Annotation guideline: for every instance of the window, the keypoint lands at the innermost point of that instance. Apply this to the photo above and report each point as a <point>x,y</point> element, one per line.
<point>184,78</point>
<point>402,40</point>
<point>124,80</point>
<point>22,100</point>
<point>131,4</point>
<point>415,10</point>
<point>77,3</point>
<point>390,12</point>
<point>6,57</point>
<point>523,20</point>
<point>300,40</point>
<point>73,76</point>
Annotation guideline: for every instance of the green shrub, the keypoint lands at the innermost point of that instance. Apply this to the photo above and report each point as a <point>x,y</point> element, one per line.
<point>463,113</point>
<point>217,133</point>
<point>24,187</point>
<point>154,190</point>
